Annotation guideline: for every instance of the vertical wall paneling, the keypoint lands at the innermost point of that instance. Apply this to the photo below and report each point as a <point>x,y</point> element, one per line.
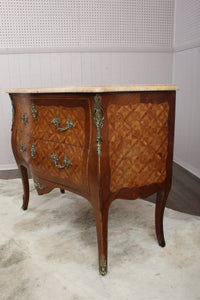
<point>146,68</point>
<point>116,64</point>
<point>6,156</point>
<point>186,74</point>
<point>96,68</point>
<point>187,131</point>
<point>86,69</point>
<point>65,69</point>
<point>55,65</point>
<point>76,73</point>
<point>187,24</point>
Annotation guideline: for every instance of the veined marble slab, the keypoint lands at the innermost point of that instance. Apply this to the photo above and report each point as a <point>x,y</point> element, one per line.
<point>98,89</point>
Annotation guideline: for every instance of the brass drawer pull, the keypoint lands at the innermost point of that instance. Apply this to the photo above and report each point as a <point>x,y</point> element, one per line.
<point>24,118</point>
<point>69,123</point>
<point>22,147</point>
<point>67,162</point>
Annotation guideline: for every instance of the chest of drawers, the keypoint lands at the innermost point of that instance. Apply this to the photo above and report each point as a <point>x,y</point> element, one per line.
<point>103,143</point>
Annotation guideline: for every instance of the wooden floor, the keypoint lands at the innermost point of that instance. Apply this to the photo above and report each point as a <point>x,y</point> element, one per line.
<point>184,195</point>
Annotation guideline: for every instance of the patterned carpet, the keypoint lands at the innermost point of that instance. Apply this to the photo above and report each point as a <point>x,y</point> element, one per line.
<point>50,251</point>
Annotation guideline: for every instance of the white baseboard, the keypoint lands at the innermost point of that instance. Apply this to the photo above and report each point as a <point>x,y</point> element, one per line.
<point>8,167</point>
<point>187,166</point>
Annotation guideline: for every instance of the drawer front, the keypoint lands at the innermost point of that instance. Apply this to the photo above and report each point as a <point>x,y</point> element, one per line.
<point>58,123</point>
<point>56,162</point>
<point>23,117</point>
<point>138,144</point>
<point>21,145</point>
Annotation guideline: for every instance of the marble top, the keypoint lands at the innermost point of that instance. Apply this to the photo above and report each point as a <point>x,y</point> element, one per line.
<point>98,89</point>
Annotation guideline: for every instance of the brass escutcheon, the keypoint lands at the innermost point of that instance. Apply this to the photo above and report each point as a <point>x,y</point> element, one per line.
<point>22,146</point>
<point>24,118</point>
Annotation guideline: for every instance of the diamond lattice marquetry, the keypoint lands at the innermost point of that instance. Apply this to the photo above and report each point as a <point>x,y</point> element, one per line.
<point>138,142</point>
<point>43,128</point>
<point>48,140</point>
<point>73,173</point>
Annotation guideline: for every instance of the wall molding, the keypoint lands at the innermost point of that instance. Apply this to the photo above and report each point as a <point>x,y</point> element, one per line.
<point>187,46</point>
<point>5,51</point>
<point>187,166</point>
<point>8,167</point>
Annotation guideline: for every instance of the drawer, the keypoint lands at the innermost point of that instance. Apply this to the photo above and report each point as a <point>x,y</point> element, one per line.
<point>56,162</point>
<point>56,123</point>
<point>60,124</point>
<point>21,145</point>
<point>23,117</point>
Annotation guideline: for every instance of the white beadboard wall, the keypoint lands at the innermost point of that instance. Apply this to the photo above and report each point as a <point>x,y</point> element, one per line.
<point>186,74</point>
<point>64,69</point>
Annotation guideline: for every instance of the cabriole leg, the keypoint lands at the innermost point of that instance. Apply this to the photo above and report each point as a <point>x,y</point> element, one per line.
<point>159,213</point>
<point>24,176</point>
